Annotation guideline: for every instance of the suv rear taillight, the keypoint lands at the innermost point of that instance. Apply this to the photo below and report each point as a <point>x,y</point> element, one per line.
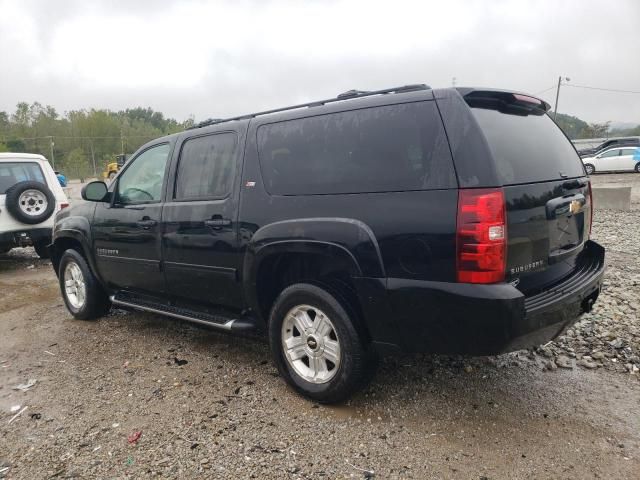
<point>481,236</point>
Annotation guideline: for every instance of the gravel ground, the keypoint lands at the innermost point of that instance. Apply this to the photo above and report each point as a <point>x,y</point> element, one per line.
<point>212,405</point>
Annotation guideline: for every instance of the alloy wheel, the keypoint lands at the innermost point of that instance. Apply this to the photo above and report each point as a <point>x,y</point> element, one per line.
<point>74,285</point>
<point>310,344</point>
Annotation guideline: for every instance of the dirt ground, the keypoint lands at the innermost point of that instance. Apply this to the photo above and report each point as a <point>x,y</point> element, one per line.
<point>212,405</point>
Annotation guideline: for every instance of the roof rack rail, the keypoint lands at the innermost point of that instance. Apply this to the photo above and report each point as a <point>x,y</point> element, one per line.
<point>343,96</point>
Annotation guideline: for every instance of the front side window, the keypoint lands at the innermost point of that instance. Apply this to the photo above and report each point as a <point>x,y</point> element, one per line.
<point>377,149</point>
<point>142,181</point>
<point>206,167</point>
<point>610,153</point>
<point>12,173</point>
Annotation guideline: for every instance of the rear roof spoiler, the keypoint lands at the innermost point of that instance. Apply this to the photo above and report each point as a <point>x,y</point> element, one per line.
<point>489,96</point>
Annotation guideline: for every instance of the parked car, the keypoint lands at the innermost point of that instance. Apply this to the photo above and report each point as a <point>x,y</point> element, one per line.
<point>402,220</point>
<point>30,195</point>
<point>616,142</point>
<point>614,160</point>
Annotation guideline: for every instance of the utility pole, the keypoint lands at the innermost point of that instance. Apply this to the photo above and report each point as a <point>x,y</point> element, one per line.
<point>555,110</point>
<point>93,159</point>
<point>53,158</point>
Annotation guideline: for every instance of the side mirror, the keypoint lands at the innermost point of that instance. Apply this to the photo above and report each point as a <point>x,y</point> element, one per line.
<point>95,192</point>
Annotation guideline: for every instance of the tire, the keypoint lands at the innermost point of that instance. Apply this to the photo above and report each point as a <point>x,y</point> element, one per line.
<point>41,248</point>
<point>30,202</point>
<point>337,372</point>
<point>96,302</point>
<point>637,167</point>
<point>590,169</point>
<point>112,175</point>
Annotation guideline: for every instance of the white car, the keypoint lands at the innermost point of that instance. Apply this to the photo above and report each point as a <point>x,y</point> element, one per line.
<point>30,196</point>
<point>621,159</point>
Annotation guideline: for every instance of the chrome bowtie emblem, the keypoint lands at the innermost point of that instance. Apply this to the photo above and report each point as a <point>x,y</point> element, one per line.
<point>574,207</point>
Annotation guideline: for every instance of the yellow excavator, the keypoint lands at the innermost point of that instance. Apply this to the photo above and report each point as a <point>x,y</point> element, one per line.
<point>114,167</point>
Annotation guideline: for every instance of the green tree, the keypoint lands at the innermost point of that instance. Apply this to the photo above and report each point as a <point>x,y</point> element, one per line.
<point>76,164</point>
<point>16,145</point>
<point>595,130</point>
<point>572,126</point>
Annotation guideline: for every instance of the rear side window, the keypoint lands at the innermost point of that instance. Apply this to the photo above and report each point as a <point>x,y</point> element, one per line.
<point>205,168</point>
<point>610,153</point>
<point>12,173</point>
<point>388,148</point>
<point>527,147</point>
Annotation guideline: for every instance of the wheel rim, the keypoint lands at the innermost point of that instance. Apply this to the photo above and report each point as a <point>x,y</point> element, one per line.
<point>74,286</point>
<point>589,169</point>
<point>310,344</point>
<point>33,202</point>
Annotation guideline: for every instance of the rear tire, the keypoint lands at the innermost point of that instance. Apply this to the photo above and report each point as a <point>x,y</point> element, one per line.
<point>112,176</point>
<point>637,167</point>
<point>589,168</point>
<point>315,345</point>
<point>82,293</point>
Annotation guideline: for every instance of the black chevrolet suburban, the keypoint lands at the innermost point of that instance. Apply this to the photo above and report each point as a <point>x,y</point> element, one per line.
<point>401,220</point>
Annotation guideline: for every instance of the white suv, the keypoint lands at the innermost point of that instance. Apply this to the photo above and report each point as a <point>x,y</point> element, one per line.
<point>30,196</point>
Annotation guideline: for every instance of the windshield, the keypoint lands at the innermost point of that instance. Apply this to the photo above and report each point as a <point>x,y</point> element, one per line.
<point>12,173</point>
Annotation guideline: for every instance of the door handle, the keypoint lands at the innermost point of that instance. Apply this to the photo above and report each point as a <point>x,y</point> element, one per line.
<point>146,223</point>
<point>217,222</point>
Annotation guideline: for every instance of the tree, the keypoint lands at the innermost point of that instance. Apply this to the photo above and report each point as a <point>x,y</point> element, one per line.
<point>16,145</point>
<point>571,126</point>
<point>76,164</point>
<point>595,130</point>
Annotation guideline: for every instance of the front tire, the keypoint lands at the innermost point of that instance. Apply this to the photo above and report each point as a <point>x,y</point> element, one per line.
<point>637,167</point>
<point>589,168</point>
<point>82,293</point>
<point>316,347</point>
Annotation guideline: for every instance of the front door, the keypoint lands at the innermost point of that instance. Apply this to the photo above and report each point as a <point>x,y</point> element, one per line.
<point>200,247</point>
<point>126,231</point>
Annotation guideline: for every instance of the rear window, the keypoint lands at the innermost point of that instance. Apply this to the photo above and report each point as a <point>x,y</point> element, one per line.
<point>527,147</point>
<point>388,148</point>
<point>12,173</point>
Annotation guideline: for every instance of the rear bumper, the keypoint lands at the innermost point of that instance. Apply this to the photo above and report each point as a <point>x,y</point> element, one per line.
<point>471,319</point>
<point>23,238</point>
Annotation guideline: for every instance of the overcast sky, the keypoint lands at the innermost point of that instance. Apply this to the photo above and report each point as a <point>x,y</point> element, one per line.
<point>218,58</point>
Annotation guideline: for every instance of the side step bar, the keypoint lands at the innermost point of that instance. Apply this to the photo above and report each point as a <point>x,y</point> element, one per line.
<point>236,325</point>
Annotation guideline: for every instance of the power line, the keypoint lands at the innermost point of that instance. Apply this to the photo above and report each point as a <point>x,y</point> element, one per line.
<point>545,90</point>
<point>599,88</point>
<point>82,138</point>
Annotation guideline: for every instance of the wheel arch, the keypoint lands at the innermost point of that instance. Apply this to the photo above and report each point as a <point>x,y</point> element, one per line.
<point>65,239</point>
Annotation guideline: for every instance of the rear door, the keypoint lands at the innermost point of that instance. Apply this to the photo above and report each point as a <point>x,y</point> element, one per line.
<point>200,245</point>
<point>545,186</point>
<point>609,161</point>
<point>628,159</point>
